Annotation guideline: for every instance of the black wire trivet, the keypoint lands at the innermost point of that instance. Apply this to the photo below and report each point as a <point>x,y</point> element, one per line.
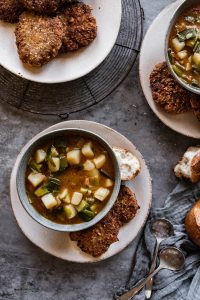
<point>65,98</point>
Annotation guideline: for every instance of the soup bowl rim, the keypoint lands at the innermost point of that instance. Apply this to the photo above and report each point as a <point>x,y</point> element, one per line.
<point>21,173</point>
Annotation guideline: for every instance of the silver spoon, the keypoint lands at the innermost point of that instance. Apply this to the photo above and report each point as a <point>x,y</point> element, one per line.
<point>170,258</point>
<point>161,229</point>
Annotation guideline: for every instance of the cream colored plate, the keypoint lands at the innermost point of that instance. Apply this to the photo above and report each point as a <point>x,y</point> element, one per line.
<point>72,65</point>
<point>59,244</point>
<point>152,52</point>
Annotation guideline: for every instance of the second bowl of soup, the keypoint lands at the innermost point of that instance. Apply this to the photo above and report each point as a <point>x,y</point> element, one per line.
<point>183,45</point>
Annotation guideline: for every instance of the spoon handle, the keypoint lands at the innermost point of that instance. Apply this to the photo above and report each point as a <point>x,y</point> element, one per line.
<point>149,284</point>
<point>129,295</point>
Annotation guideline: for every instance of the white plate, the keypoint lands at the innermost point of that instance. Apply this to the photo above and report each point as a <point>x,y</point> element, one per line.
<point>72,65</point>
<point>152,52</point>
<point>59,244</point>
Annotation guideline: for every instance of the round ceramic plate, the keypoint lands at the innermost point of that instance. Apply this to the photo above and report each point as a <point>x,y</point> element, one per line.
<point>152,53</point>
<point>59,243</point>
<point>72,65</point>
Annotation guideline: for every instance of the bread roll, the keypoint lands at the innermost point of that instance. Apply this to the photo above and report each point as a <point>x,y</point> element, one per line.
<point>192,223</point>
<point>189,166</point>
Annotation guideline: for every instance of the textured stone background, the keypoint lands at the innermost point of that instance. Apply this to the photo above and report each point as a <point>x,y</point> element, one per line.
<point>26,272</point>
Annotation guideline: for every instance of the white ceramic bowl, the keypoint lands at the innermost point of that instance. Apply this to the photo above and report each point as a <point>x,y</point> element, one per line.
<point>72,65</point>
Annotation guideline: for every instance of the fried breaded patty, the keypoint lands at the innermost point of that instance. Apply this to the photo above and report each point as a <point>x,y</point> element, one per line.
<point>38,38</point>
<point>97,239</point>
<point>80,26</point>
<point>167,92</point>
<point>10,10</point>
<point>126,205</point>
<point>195,103</point>
<point>43,6</point>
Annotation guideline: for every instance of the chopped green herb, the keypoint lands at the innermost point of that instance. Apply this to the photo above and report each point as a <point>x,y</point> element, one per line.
<point>41,191</point>
<point>63,163</point>
<point>86,215</point>
<point>53,184</point>
<point>187,34</point>
<point>34,167</point>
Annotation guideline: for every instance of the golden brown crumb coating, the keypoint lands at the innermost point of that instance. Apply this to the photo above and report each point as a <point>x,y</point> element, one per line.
<point>38,38</point>
<point>10,10</point>
<point>97,239</point>
<point>195,103</point>
<point>167,92</point>
<point>43,6</point>
<point>80,26</point>
<point>126,205</point>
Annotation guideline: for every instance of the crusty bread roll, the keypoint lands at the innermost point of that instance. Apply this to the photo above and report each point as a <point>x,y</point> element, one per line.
<point>129,164</point>
<point>189,166</point>
<point>192,223</point>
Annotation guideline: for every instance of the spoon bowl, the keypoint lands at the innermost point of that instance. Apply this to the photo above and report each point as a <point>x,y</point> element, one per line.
<point>171,258</point>
<point>162,229</point>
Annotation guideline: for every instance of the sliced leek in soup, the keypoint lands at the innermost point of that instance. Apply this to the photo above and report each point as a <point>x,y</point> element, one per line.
<point>69,180</point>
<point>184,46</point>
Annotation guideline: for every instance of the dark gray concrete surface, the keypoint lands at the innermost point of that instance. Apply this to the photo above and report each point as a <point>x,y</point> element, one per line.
<point>26,272</point>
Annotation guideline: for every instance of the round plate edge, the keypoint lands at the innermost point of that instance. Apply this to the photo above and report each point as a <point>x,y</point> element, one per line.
<point>94,260</point>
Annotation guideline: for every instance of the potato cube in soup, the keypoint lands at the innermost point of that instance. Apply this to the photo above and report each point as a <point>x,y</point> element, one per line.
<point>93,173</point>
<point>63,194</point>
<point>66,199</point>
<point>182,54</point>
<point>88,165</point>
<point>40,156</point>
<point>101,193</point>
<point>49,201</point>
<point>54,164</point>
<point>100,161</point>
<point>87,150</point>
<point>70,211</point>
<point>178,46</point>
<point>58,201</point>
<point>76,198</point>
<point>74,157</point>
<point>54,152</point>
<point>94,181</point>
<point>196,59</point>
<point>108,182</point>
<point>36,178</point>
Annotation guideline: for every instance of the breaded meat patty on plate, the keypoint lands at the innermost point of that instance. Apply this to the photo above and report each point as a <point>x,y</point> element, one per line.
<point>43,6</point>
<point>80,26</point>
<point>10,10</point>
<point>38,38</point>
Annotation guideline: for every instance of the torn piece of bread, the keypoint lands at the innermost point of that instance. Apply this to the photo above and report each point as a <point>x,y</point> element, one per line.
<point>189,166</point>
<point>128,163</point>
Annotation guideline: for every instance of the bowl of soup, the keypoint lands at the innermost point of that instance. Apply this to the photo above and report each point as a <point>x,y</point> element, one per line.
<point>182,45</point>
<point>68,180</point>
